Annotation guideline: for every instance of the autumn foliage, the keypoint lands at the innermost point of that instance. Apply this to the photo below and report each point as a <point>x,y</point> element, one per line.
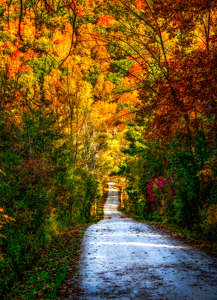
<point>86,86</point>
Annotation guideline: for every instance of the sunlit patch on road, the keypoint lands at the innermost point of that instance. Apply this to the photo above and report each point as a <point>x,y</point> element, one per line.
<point>143,245</point>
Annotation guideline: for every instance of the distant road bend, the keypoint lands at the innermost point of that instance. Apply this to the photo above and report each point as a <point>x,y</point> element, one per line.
<point>124,259</point>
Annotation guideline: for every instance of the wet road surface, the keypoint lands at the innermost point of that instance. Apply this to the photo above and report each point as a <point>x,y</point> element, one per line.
<point>124,259</point>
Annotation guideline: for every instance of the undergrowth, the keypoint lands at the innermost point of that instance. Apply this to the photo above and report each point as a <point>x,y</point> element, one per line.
<point>55,274</point>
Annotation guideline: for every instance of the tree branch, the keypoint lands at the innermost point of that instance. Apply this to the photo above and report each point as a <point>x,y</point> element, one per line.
<point>20,19</point>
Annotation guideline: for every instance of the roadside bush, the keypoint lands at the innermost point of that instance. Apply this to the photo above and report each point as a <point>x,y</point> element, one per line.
<point>211,220</point>
<point>42,200</point>
<point>160,196</point>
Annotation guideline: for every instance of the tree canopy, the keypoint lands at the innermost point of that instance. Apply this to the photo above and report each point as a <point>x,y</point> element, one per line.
<point>92,89</point>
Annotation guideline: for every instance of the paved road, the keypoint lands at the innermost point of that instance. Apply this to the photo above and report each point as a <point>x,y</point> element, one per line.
<point>125,259</point>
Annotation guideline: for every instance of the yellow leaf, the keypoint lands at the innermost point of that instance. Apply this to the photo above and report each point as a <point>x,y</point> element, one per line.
<point>2,172</point>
